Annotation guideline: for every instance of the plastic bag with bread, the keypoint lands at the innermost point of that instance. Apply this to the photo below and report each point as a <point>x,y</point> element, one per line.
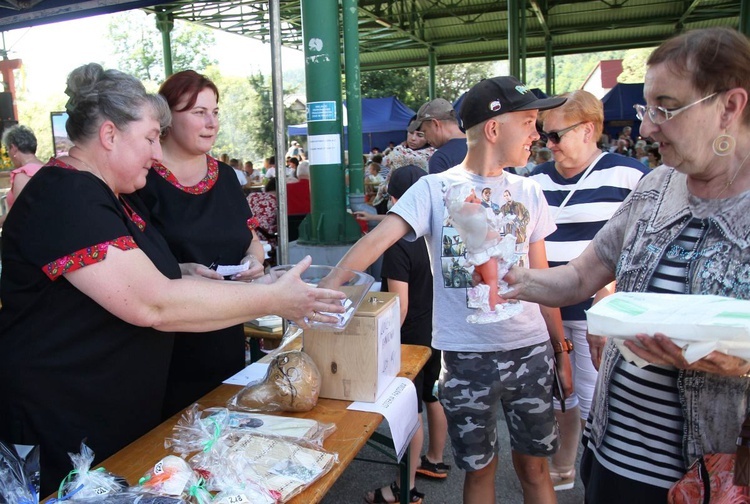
<point>292,383</point>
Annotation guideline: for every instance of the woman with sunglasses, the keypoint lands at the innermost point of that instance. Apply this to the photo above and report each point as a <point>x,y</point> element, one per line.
<point>584,187</point>
<point>684,230</point>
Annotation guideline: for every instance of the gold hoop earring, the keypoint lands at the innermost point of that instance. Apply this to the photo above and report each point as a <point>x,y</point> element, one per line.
<point>724,144</point>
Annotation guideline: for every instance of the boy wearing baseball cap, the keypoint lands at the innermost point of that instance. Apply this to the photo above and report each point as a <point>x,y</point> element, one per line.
<point>505,365</point>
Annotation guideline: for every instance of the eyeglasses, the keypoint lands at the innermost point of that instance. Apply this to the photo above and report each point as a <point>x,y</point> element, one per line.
<point>556,136</point>
<point>660,115</point>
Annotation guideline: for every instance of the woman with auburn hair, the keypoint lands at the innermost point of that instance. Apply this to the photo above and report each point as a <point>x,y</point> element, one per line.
<point>197,204</point>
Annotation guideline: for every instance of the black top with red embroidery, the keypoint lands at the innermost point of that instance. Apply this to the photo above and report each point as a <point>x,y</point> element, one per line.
<point>69,369</point>
<point>204,223</point>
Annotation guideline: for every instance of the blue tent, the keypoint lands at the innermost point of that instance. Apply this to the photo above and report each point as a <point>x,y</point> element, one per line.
<point>618,108</point>
<point>383,120</point>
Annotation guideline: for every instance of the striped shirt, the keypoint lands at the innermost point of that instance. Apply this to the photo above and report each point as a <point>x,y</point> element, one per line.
<point>596,199</point>
<point>643,440</point>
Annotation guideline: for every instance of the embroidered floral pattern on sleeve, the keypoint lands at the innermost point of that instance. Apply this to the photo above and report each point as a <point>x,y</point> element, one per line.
<point>86,256</point>
<point>205,185</point>
<point>53,161</point>
<point>134,217</point>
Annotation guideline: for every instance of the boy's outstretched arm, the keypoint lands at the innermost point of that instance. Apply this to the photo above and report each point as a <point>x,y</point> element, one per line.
<point>371,246</point>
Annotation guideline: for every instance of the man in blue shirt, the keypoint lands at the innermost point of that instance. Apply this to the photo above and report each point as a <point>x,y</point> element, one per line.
<point>437,120</point>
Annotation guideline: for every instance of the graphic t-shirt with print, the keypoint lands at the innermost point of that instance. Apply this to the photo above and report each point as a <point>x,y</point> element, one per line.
<point>517,206</point>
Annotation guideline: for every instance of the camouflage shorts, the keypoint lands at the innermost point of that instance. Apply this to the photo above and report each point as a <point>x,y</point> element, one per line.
<point>474,385</point>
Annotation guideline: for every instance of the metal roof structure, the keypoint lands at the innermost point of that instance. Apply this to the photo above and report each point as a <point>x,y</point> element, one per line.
<point>403,33</point>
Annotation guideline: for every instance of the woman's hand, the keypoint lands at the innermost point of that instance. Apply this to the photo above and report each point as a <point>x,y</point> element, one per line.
<point>596,348</point>
<point>659,349</point>
<point>367,216</point>
<point>199,270</point>
<point>302,303</point>
<point>254,271</point>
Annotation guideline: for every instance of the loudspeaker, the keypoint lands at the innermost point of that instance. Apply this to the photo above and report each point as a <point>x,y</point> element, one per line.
<point>5,125</point>
<point>6,107</point>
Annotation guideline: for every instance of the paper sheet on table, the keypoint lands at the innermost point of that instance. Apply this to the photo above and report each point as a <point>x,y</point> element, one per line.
<point>254,372</point>
<point>398,404</point>
<point>232,269</point>
<point>699,324</point>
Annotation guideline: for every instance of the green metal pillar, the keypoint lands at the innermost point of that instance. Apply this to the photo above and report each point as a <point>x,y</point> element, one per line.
<point>432,67</point>
<point>514,58</point>
<point>328,223</point>
<point>165,23</point>
<point>549,67</point>
<point>522,75</point>
<point>353,104</point>
<point>744,25</point>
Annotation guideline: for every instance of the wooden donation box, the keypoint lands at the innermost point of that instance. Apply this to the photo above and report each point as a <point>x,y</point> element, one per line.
<point>358,363</point>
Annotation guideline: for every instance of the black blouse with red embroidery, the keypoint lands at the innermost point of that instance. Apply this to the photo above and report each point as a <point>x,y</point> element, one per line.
<point>69,369</point>
<point>204,223</point>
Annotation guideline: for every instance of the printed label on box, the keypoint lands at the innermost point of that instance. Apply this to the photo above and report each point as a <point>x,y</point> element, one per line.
<point>389,341</point>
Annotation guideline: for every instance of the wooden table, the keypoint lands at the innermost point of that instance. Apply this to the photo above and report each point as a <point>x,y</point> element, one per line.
<point>252,332</point>
<point>251,188</point>
<point>353,430</point>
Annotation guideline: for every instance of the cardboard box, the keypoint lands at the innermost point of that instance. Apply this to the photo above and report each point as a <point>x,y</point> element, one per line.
<point>357,364</point>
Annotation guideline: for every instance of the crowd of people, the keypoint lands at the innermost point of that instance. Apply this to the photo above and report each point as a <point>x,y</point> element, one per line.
<point>113,317</point>
<point>643,214</point>
<point>296,167</point>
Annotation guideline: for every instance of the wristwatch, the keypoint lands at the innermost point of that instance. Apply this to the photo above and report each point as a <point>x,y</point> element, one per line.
<point>565,346</point>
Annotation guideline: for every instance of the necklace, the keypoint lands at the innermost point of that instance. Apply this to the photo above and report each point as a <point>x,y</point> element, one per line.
<point>729,184</point>
<point>88,167</point>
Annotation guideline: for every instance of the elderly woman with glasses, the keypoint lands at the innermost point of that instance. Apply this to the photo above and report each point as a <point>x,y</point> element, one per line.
<point>685,229</point>
<point>584,187</point>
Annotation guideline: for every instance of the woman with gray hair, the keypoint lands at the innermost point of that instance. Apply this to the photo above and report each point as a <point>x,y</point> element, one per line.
<point>91,292</point>
<point>20,144</point>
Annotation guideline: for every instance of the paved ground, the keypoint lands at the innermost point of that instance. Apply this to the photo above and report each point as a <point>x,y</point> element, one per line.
<point>363,476</point>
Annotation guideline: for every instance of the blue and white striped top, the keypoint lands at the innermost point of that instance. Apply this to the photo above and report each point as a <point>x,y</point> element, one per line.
<point>643,440</point>
<point>597,198</point>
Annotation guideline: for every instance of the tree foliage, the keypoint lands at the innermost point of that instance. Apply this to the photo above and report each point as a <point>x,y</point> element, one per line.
<point>451,81</point>
<point>137,43</point>
<point>411,86</point>
<point>246,116</point>
<point>261,126</point>
<point>246,111</point>
<point>235,113</point>
<point>35,114</point>
<point>634,66</point>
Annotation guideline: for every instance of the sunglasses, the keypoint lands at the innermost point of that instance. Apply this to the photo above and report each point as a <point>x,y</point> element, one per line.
<point>556,136</point>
